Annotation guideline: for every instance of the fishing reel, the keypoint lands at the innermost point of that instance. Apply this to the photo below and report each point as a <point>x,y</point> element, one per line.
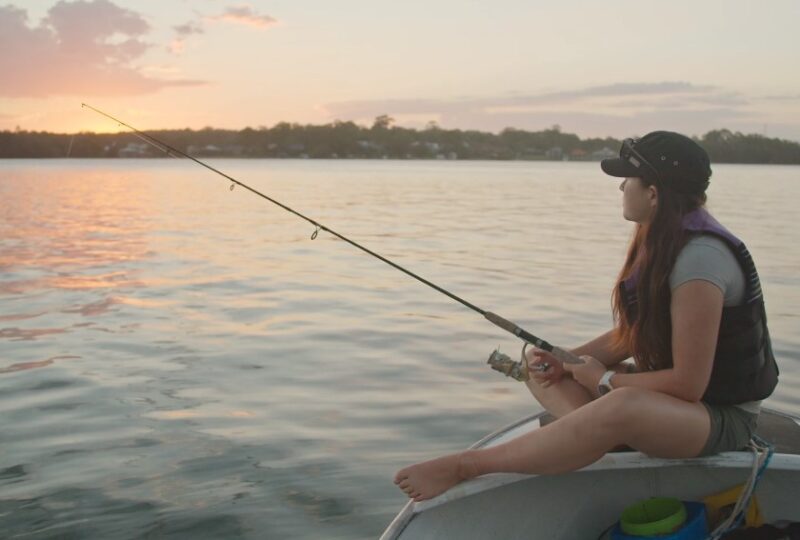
<point>517,370</point>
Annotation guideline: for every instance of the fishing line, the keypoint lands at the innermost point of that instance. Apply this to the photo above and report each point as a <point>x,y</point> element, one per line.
<point>498,360</point>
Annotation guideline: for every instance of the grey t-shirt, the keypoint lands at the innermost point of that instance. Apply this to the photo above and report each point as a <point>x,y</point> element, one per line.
<point>710,259</point>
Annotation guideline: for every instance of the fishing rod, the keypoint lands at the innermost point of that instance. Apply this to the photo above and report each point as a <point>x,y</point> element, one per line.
<point>498,361</point>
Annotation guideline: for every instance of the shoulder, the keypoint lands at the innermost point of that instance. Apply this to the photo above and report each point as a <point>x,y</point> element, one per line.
<point>703,243</point>
<point>708,258</point>
<point>706,247</point>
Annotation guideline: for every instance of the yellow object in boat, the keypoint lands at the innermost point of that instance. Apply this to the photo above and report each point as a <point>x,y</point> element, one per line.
<point>720,505</point>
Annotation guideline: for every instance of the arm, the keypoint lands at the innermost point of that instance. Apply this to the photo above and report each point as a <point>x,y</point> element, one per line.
<point>696,312</point>
<point>602,348</point>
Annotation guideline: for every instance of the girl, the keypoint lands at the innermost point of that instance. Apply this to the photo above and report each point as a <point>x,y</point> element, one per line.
<point>689,311</point>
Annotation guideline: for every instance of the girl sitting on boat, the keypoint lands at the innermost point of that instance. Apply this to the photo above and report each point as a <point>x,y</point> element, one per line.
<point>690,313</point>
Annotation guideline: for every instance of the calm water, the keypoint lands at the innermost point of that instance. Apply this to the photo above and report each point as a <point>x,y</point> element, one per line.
<point>182,361</point>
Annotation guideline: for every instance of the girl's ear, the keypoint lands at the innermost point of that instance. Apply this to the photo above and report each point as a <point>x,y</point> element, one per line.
<point>652,194</point>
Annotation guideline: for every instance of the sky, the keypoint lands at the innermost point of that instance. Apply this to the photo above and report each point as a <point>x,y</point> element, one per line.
<point>613,68</point>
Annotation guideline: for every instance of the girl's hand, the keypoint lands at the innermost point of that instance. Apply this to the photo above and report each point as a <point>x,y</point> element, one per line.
<point>554,373</point>
<point>589,373</point>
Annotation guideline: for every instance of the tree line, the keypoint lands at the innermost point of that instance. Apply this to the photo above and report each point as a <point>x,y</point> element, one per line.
<point>348,140</point>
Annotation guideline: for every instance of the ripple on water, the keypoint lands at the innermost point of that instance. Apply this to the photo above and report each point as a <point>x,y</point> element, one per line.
<point>197,368</point>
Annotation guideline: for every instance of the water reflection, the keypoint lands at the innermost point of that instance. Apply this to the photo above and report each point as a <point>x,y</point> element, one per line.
<point>28,334</point>
<point>71,221</point>
<point>33,365</point>
<point>196,367</point>
<point>20,316</point>
<point>82,230</point>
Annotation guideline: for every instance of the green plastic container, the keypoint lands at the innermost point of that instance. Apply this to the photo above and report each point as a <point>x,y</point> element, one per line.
<point>653,517</point>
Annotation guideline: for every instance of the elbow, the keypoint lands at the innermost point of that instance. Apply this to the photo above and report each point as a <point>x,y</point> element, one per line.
<point>690,395</point>
<point>688,389</point>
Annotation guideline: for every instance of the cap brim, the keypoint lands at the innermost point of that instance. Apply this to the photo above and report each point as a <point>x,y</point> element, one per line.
<point>619,167</point>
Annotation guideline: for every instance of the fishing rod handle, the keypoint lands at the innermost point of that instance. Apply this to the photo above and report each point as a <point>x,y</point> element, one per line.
<point>558,352</point>
<point>566,356</point>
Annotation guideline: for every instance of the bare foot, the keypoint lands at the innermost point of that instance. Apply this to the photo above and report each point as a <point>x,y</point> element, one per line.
<point>430,478</point>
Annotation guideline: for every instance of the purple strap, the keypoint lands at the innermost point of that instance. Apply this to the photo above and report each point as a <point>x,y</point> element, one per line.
<point>695,221</point>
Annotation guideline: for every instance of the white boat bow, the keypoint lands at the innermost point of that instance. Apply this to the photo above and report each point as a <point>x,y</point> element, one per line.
<point>582,504</point>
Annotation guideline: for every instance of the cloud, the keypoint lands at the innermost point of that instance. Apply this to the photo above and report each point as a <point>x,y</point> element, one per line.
<point>83,47</point>
<point>785,97</point>
<point>643,93</point>
<point>237,15</point>
<point>245,15</point>
<point>628,89</point>
<point>621,90</point>
<point>188,29</point>
<point>618,109</point>
<point>631,92</point>
<point>183,31</point>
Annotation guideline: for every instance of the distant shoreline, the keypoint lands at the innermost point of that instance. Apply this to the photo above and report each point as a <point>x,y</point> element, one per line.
<point>267,158</point>
<point>347,140</point>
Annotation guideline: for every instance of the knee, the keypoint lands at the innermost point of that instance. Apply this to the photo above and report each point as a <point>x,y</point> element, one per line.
<point>620,408</point>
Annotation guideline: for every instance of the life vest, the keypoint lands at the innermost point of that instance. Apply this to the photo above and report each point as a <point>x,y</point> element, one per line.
<point>744,366</point>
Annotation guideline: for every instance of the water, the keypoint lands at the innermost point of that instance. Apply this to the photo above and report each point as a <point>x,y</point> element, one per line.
<point>182,361</point>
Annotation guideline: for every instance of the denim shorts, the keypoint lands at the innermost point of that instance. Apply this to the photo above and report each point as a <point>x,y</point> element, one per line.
<point>731,429</point>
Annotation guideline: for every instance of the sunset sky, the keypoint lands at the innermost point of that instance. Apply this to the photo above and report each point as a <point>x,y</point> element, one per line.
<point>595,68</point>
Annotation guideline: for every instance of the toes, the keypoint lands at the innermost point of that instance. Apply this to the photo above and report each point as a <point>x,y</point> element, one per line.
<point>404,484</point>
<point>400,476</point>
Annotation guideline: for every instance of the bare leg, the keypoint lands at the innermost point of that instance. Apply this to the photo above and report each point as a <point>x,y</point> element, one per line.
<point>654,423</point>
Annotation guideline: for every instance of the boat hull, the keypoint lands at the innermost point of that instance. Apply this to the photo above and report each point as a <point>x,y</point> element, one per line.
<point>584,503</point>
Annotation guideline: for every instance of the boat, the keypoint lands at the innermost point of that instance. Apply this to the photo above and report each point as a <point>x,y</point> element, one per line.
<point>586,503</point>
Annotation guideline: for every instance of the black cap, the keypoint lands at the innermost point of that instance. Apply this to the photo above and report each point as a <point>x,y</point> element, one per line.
<point>670,159</point>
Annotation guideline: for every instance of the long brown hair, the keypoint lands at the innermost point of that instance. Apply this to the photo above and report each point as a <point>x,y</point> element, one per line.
<point>652,253</point>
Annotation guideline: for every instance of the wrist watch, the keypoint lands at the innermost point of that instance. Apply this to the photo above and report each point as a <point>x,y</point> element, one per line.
<point>604,386</point>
